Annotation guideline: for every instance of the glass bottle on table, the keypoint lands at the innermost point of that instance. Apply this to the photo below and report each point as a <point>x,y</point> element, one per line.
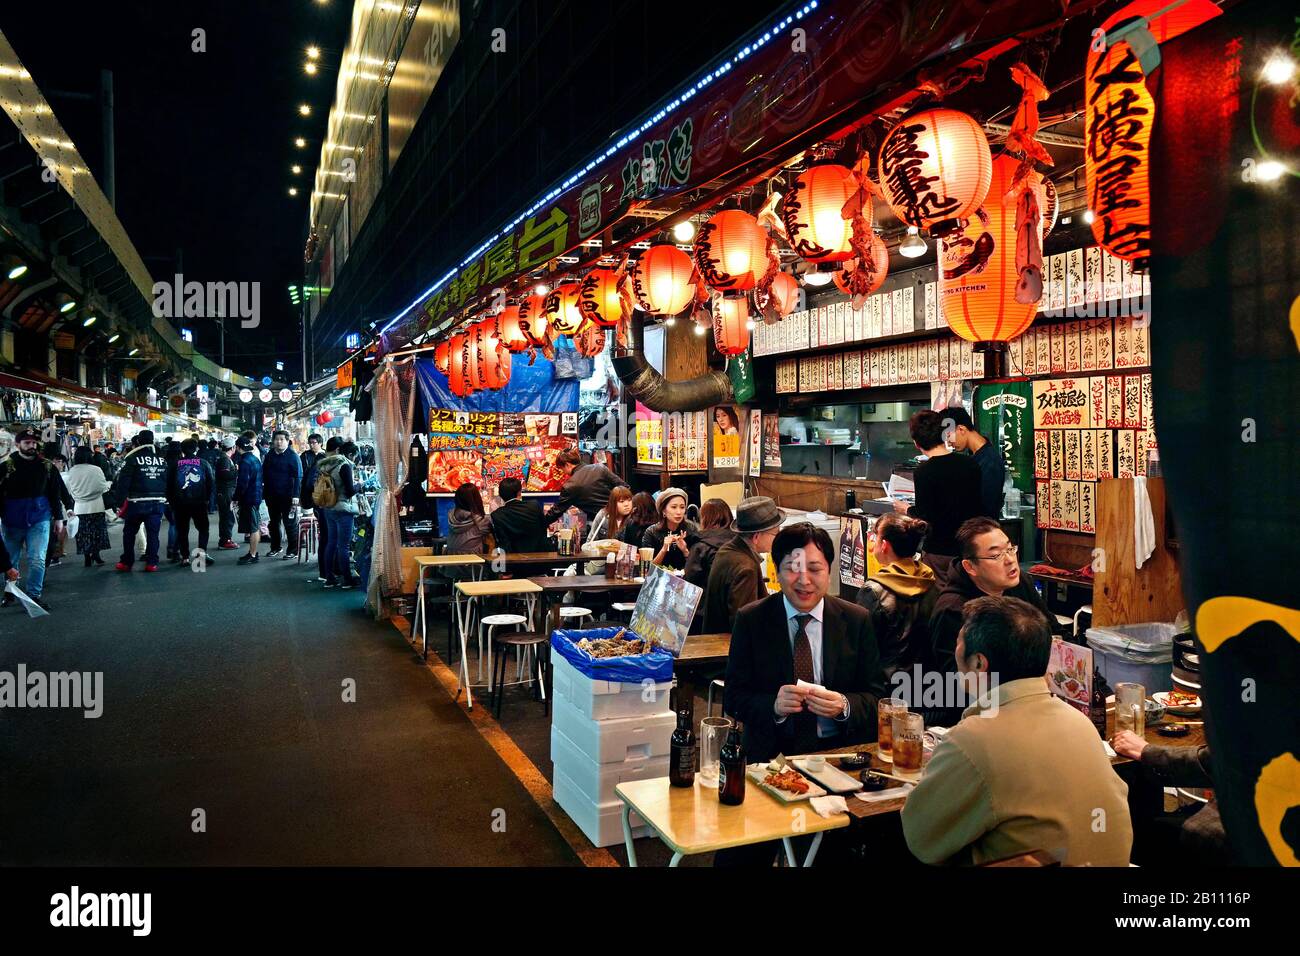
<point>681,762</point>
<point>731,769</point>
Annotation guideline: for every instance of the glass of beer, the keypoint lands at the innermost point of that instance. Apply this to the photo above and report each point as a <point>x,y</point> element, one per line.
<point>908,744</point>
<point>1130,708</point>
<point>885,712</point>
<point>713,734</point>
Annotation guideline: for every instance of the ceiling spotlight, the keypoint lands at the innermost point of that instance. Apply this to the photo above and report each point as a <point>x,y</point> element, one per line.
<point>541,288</point>
<point>300,142</point>
<point>304,109</point>
<point>296,169</point>
<point>817,278</point>
<point>749,324</point>
<point>699,328</point>
<point>309,68</point>
<point>114,337</point>
<point>684,231</point>
<point>913,246</point>
<point>133,352</point>
<point>1279,69</point>
<point>90,320</point>
<point>293,190</point>
<point>1269,170</point>
<point>68,306</point>
<point>18,271</point>
<point>313,53</point>
<point>670,320</point>
<point>1089,216</point>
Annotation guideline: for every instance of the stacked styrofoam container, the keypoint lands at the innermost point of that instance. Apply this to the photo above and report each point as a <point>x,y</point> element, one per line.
<point>604,733</point>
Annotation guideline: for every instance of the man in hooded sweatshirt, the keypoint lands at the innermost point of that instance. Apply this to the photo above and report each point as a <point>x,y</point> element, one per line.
<point>142,484</point>
<point>901,594</point>
<point>31,504</point>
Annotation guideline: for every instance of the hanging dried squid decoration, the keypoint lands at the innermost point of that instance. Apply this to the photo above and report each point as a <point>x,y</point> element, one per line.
<point>1027,184</point>
<point>763,297</point>
<point>864,272</point>
<point>627,302</point>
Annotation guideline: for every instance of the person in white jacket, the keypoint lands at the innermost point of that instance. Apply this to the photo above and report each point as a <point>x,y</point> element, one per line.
<point>86,483</point>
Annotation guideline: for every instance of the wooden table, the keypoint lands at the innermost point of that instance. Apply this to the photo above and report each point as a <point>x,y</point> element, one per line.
<point>702,652</point>
<point>691,820</point>
<point>558,585</point>
<point>473,561</point>
<point>473,590</point>
<point>519,560</point>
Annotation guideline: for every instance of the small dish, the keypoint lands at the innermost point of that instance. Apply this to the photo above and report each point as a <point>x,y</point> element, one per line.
<point>816,764</point>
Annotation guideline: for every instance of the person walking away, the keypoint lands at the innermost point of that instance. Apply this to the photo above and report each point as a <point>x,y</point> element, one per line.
<point>993,470</point>
<point>736,576</point>
<point>282,484</point>
<point>673,536</point>
<point>519,525</point>
<point>142,486</point>
<point>947,492</point>
<point>335,494</point>
<point>190,487</point>
<point>54,551</point>
<point>715,531</point>
<point>99,459</point>
<point>87,482</point>
<point>468,528</point>
<point>31,504</point>
<point>322,527</point>
<point>227,472</point>
<point>248,498</point>
<point>901,594</point>
<point>171,451</point>
<point>211,453</point>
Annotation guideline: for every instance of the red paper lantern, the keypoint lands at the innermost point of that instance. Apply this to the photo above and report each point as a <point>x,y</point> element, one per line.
<point>532,319</point>
<point>731,251</point>
<point>731,325</point>
<point>880,262</point>
<point>493,365</point>
<point>599,298</point>
<point>977,268</point>
<point>590,341</point>
<point>458,376</point>
<point>441,356</point>
<point>934,169</point>
<point>563,312</point>
<point>326,417</point>
<point>513,336</point>
<point>1118,116</point>
<point>661,280</point>
<point>813,213</point>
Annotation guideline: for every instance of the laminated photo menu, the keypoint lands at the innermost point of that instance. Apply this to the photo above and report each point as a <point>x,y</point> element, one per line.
<point>665,608</point>
<point>1069,673</point>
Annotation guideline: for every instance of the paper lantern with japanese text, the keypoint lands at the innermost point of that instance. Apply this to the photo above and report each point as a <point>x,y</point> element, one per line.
<point>731,251</point>
<point>934,169</point>
<point>1119,114</point>
<point>977,268</point>
<point>441,355</point>
<point>731,324</point>
<point>563,313</point>
<point>532,319</point>
<point>458,379</point>
<point>513,336</point>
<point>492,368</point>
<point>813,213</point>
<point>590,342</point>
<point>599,298</point>
<point>879,270</point>
<point>661,280</point>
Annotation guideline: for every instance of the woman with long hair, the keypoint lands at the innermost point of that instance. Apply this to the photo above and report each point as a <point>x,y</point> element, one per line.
<point>642,517</point>
<point>468,526</point>
<point>901,593</point>
<point>673,536</point>
<point>86,483</point>
<point>611,519</point>
<point>715,531</point>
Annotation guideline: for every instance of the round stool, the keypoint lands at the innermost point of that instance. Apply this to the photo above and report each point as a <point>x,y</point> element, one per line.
<point>492,621</point>
<point>533,646</point>
<point>573,614</point>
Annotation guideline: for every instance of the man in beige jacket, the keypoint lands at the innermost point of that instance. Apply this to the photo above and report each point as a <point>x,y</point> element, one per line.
<point>1022,770</point>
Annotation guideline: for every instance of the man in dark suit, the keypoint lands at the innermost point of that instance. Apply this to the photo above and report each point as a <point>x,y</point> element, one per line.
<point>804,671</point>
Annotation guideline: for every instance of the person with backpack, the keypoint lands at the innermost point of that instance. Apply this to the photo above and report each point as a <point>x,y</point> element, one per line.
<point>282,484</point>
<point>715,531</point>
<point>334,495</point>
<point>901,594</point>
<point>191,484</point>
<point>310,475</point>
<point>248,496</point>
<point>141,487</point>
<point>31,505</point>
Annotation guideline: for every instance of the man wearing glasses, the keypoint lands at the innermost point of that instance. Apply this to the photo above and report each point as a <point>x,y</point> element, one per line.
<point>988,567</point>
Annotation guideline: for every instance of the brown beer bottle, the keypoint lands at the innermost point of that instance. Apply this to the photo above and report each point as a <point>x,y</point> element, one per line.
<point>681,762</point>
<point>1097,705</point>
<point>731,769</point>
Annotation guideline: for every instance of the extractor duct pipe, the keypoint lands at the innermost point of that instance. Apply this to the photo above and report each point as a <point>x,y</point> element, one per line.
<point>642,383</point>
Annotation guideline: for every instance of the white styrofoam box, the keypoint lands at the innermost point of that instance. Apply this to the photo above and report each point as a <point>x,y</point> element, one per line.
<point>601,823</point>
<point>599,699</point>
<point>617,738</point>
<point>597,780</point>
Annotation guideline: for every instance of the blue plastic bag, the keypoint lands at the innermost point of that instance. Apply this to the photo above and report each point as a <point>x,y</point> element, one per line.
<point>656,666</point>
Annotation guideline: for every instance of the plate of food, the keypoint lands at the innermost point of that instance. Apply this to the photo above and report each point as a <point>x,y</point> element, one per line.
<point>785,783</point>
<point>603,545</point>
<point>1178,702</point>
<point>832,778</point>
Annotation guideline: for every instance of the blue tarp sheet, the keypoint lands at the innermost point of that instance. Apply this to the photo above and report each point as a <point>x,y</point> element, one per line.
<point>532,389</point>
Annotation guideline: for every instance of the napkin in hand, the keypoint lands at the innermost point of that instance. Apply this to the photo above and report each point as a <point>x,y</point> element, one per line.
<point>825,806</point>
<point>1110,751</point>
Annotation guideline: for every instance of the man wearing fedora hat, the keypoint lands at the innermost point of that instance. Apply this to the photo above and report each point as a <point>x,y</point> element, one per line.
<point>736,577</point>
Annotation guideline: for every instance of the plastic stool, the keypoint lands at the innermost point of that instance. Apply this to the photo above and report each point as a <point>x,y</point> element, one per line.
<point>306,538</point>
<point>574,613</point>
<point>536,646</point>
<point>492,621</point>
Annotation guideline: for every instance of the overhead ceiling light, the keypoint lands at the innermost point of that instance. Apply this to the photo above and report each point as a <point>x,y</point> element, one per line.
<point>18,271</point>
<point>90,320</point>
<point>1269,170</point>
<point>541,288</point>
<point>749,324</point>
<point>817,278</point>
<point>913,246</point>
<point>68,306</point>
<point>1279,69</point>
<point>114,337</point>
<point>304,109</point>
<point>296,169</point>
<point>1089,216</point>
<point>699,328</point>
<point>300,142</point>
<point>310,69</point>
<point>670,320</point>
<point>133,352</point>
<point>684,231</point>
<point>293,190</point>
<point>313,52</point>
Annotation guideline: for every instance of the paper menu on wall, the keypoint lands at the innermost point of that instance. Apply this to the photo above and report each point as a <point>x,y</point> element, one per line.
<point>931,305</point>
<point>835,372</point>
<point>1043,350</point>
<point>1042,454</point>
<point>1074,278</point>
<point>1057,453</point>
<point>909,308</point>
<point>1104,439</point>
<point>932,360</point>
<point>1114,401</point>
<point>1072,347</point>
<point>902,319</point>
<point>1070,507</point>
<point>1088,455</point>
<point>1073,455</point>
<point>1029,352</point>
<point>1092,274</point>
<point>1088,507</point>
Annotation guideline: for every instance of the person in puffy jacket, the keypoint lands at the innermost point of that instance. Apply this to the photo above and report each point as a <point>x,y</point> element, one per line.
<point>248,498</point>
<point>86,483</point>
<point>142,485</point>
<point>340,514</point>
<point>190,486</point>
<point>468,527</point>
<point>281,486</point>
<point>901,594</point>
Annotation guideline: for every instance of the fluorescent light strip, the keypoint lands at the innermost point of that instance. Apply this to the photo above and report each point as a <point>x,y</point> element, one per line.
<point>632,137</point>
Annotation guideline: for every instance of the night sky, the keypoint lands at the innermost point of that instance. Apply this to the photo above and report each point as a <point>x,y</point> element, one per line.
<point>204,140</point>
